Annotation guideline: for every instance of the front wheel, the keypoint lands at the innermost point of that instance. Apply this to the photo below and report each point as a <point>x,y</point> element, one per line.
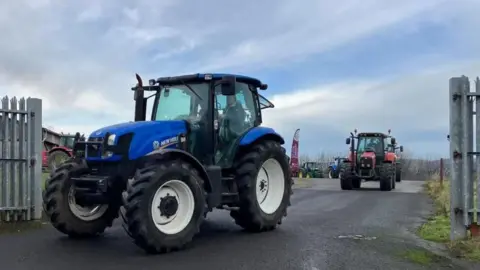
<point>387,177</point>
<point>398,174</point>
<point>70,217</point>
<point>264,187</point>
<point>165,205</point>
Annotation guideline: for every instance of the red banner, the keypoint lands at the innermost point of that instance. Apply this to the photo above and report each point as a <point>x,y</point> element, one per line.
<point>294,155</point>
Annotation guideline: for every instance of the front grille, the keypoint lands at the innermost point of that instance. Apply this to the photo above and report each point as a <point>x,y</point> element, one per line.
<point>366,163</point>
<point>94,150</point>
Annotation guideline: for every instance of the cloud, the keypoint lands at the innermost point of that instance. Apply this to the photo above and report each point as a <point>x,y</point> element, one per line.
<point>370,64</point>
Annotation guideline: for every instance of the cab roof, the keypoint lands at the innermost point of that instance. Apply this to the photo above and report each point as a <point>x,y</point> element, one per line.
<point>200,77</point>
<point>372,134</point>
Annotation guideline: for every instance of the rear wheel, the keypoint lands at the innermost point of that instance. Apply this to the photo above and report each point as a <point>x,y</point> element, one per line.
<point>264,187</point>
<point>165,205</point>
<point>330,173</point>
<point>69,217</point>
<point>57,158</point>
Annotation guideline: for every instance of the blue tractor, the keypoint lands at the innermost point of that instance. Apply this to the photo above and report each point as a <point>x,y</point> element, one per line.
<point>203,149</point>
<point>334,168</point>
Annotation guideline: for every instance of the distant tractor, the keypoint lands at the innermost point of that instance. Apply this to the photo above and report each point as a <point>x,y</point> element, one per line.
<point>57,148</point>
<point>310,170</point>
<point>334,168</point>
<point>371,159</point>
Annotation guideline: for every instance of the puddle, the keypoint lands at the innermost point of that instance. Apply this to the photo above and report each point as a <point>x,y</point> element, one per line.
<point>357,237</point>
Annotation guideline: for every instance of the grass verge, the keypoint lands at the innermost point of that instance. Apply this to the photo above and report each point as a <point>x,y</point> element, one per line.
<point>437,228</point>
<point>303,183</point>
<point>422,257</point>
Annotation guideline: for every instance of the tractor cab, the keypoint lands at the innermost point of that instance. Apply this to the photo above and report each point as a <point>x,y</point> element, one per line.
<point>311,166</point>
<point>217,109</point>
<point>67,140</point>
<point>371,145</point>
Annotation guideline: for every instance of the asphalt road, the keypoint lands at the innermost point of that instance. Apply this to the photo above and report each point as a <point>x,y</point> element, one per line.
<point>326,228</point>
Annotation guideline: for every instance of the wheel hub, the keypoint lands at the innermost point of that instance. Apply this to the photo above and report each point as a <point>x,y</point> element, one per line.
<point>263,185</point>
<point>168,206</point>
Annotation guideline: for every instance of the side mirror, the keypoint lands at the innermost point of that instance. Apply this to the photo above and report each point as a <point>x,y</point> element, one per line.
<point>347,141</point>
<point>393,141</point>
<point>227,85</point>
<point>401,148</point>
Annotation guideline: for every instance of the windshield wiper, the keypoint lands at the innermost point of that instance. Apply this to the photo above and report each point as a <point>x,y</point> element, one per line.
<point>191,89</point>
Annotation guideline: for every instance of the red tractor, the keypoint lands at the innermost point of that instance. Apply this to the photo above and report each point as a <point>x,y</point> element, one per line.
<point>57,148</point>
<point>372,158</point>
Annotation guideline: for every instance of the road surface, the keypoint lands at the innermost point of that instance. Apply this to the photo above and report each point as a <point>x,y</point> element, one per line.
<point>326,228</point>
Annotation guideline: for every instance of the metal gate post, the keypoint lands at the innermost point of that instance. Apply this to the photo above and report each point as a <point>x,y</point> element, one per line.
<point>34,106</point>
<point>467,152</point>
<point>477,135</point>
<point>458,229</point>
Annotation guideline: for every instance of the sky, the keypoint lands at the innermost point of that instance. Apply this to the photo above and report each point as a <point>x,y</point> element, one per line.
<point>331,66</point>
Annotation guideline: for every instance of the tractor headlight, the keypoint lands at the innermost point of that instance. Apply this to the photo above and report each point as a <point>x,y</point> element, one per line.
<point>111,139</point>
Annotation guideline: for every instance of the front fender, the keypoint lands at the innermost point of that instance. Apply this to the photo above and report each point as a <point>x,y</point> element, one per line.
<point>259,133</point>
<point>179,153</point>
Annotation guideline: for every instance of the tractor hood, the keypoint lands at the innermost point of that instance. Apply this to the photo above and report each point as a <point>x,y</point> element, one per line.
<point>368,155</point>
<point>147,135</point>
<point>152,127</point>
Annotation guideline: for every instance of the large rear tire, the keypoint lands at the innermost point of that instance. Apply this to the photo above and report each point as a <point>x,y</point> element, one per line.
<point>387,177</point>
<point>264,187</point>
<point>56,159</point>
<point>165,205</point>
<point>65,214</point>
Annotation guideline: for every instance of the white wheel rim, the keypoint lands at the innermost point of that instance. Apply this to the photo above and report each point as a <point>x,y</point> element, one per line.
<point>178,221</point>
<point>270,186</point>
<point>85,213</point>
<point>330,174</point>
<point>339,175</point>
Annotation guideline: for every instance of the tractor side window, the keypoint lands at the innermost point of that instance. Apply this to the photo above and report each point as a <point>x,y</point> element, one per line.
<point>236,114</point>
<point>243,100</point>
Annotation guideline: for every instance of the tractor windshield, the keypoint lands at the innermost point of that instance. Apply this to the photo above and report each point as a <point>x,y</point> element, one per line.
<point>312,165</point>
<point>181,102</point>
<point>374,143</point>
<point>67,141</point>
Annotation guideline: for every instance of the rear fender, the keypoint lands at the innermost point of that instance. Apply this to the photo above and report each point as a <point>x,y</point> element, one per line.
<point>66,150</point>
